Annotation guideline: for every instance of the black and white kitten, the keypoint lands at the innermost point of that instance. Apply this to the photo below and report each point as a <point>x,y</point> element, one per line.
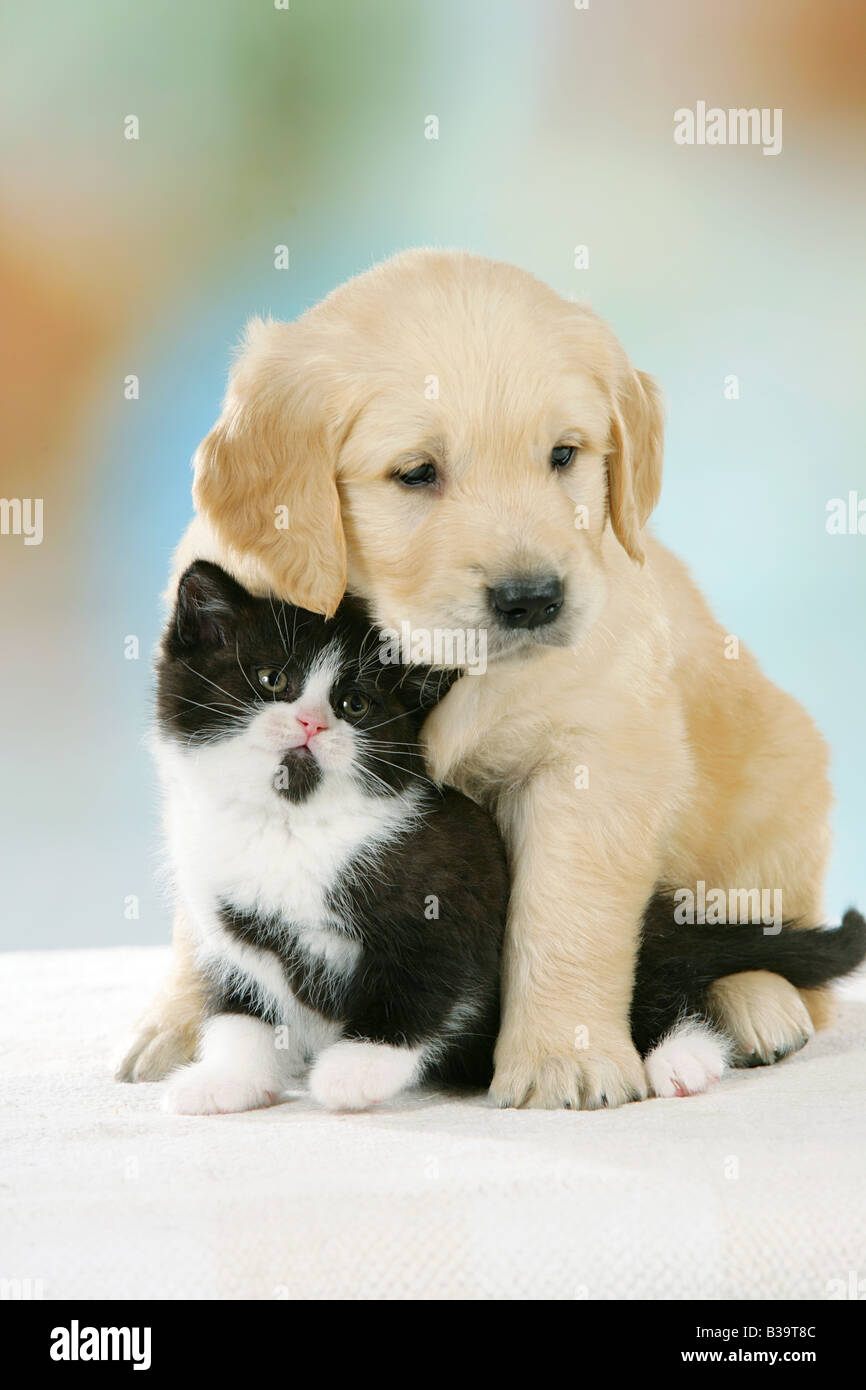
<point>348,913</point>
<point>334,891</point>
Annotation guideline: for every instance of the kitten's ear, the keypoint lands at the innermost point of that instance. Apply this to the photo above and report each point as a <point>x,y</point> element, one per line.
<point>422,687</point>
<point>209,606</point>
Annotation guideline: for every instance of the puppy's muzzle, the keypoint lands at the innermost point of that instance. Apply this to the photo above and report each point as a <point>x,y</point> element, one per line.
<point>527,603</point>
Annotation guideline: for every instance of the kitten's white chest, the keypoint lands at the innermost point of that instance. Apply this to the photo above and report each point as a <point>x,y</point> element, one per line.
<point>234,840</point>
<point>233,837</point>
<point>251,857</point>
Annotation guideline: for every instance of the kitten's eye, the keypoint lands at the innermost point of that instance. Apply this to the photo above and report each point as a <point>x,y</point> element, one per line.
<point>422,476</point>
<point>562,456</point>
<point>272,678</point>
<point>354,705</point>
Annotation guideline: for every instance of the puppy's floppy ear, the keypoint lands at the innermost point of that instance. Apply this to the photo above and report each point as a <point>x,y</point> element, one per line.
<point>265,476</point>
<point>635,460</point>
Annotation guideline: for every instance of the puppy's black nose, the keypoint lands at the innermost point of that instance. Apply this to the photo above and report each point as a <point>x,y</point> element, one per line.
<point>528,602</point>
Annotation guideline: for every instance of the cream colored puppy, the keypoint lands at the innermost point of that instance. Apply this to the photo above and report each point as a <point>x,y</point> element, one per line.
<point>465,449</point>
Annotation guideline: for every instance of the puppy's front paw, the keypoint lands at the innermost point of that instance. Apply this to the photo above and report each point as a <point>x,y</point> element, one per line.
<point>581,1079</point>
<point>764,1015</point>
<point>204,1090</point>
<point>353,1075</point>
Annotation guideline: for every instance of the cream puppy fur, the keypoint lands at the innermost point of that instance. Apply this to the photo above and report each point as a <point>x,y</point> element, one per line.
<point>444,433</point>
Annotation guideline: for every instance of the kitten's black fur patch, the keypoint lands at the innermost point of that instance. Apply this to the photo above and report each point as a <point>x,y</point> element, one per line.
<point>429,907</point>
<point>430,914</point>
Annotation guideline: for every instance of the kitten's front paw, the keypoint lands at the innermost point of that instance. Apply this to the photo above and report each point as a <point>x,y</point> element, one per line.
<point>355,1075</point>
<point>202,1090</point>
<point>688,1061</point>
<point>591,1078</point>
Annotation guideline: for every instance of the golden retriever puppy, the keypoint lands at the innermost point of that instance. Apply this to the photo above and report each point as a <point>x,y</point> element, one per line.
<point>467,450</point>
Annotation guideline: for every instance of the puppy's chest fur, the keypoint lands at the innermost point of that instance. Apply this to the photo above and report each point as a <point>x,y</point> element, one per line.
<point>265,883</point>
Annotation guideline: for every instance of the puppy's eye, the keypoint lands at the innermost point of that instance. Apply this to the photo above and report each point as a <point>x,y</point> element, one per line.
<point>272,678</point>
<point>422,476</point>
<point>354,705</point>
<point>562,455</point>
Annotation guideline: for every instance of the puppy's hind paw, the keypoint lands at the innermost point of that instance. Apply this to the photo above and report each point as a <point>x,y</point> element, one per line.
<point>764,1015</point>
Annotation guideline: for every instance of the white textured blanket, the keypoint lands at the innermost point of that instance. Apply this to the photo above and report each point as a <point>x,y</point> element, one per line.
<point>755,1190</point>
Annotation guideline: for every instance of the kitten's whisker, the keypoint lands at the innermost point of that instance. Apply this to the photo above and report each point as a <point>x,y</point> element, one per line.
<point>290,639</point>
<point>368,772</point>
<point>388,743</point>
<point>384,722</point>
<point>283,623</point>
<point>202,739</point>
<point>242,671</point>
<point>242,704</point>
<point>277,624</point>
<point>366,661</point>
<point>279,673</point>
<point>225,713</point>
<point>378,759</point>
<point>362,733</point>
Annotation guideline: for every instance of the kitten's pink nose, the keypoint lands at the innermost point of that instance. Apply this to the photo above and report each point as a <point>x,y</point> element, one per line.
<point>311,724</point>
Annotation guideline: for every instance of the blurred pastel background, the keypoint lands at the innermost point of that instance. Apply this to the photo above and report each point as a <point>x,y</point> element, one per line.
<point>305,126</point>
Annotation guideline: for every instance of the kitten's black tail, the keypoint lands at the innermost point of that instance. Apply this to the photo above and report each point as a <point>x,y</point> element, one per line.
<point>677,963</point>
